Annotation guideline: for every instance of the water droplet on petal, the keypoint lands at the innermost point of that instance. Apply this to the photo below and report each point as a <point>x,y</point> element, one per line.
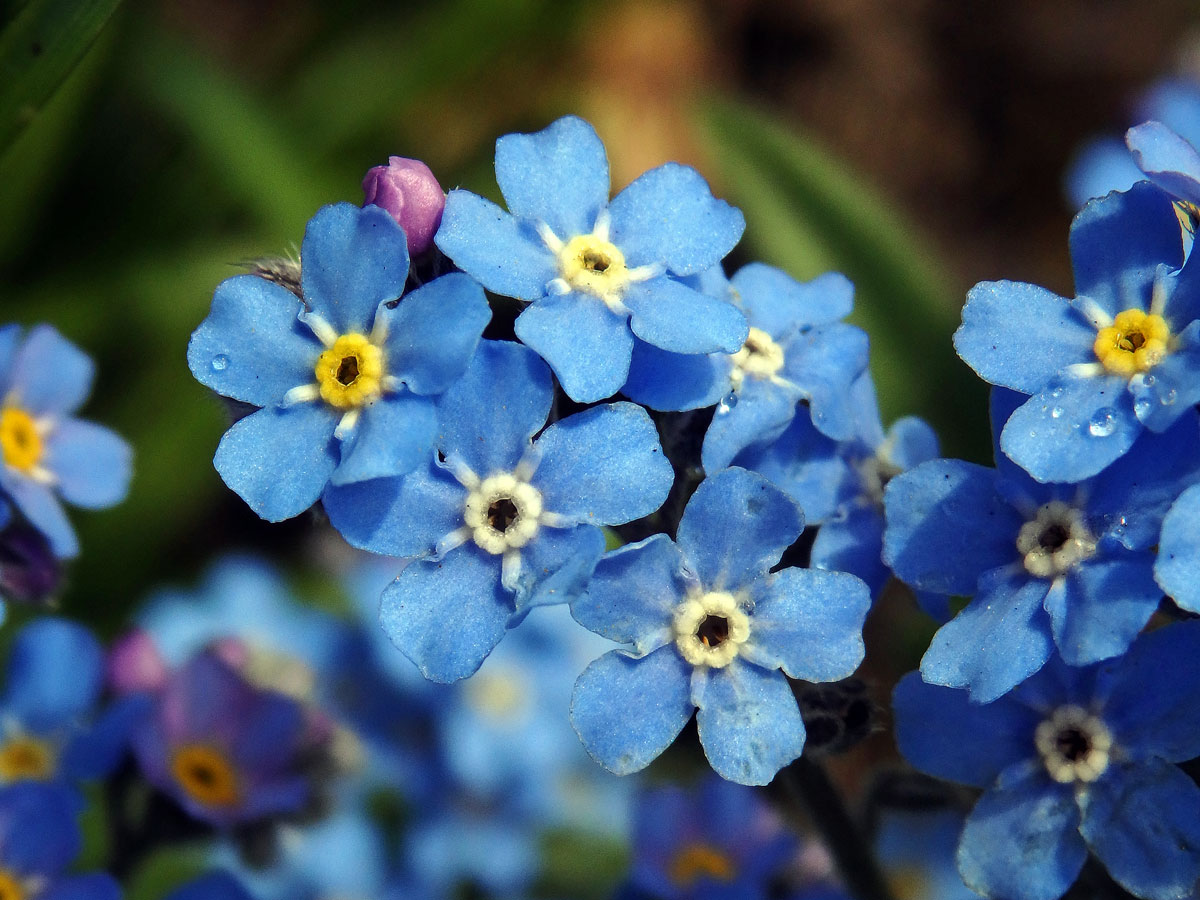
<point>1148,380</point>
<point>728,402</point>
<point>1141,407</point>
<point>220,363</point>
<point>1057,412</point>
<point>1103,423</point>
<point>1168,398</point>
<point>1056,393</point>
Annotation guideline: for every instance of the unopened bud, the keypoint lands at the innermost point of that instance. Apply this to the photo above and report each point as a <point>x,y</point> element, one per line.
<point>407,189</point>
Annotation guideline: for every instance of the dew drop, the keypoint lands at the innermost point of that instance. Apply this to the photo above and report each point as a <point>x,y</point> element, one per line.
<point>1057,412</point>
<point>220,363</point>
<point>728,402</point>
<point>1056,393</point>
<point>1148,380</point>
<point>1103,423</point>
<point>1141,406</point>
<point>1168,398</point>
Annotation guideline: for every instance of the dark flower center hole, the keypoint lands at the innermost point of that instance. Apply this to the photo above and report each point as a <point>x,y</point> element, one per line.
<point>203,775</point>
<point>596,261</point>
<point>1132,341</point>
<point>755,347</point>
<point>1053,537</point>
<point>1073,744</point>
<point>713,631</point>
<point>347,370</point>
<point>501,514</point>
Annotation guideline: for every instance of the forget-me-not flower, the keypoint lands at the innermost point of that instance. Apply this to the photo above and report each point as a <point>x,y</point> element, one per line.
<point>45,453</point>
<point>503,523</point>
<point>597,273</point>
<point>345,376</point>
<point>797,350</point>
<point>1074,761</point>
<point>1066,565</point>
<point>1121,357</point>
<point>710,628</point>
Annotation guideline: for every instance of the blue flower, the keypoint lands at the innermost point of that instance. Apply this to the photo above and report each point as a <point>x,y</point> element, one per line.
<point>1106,164</point>
<point>597,273</point>
<point>916,848</point>
<point>714,839</point>
<point>39,841</point>
<point>45,453</point>
<point>1122,356</point>
<point>1177,567</point>
<point>226,751</point>
<point>839,484</point>
<point>51,728</point>
<point>502,524</point>
<point>1047,565</point>
<point>219,885</point>
<point>1076,760</point>
<point>710,629</point>
<point>797,350</point>
<point>345,377</point>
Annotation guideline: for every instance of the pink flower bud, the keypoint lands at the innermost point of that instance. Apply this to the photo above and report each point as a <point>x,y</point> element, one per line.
<point>407,189</point>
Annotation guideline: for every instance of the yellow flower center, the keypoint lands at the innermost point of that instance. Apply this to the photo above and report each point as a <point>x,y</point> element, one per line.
<point>25,758</point>
<point>908,883</point>
<point>20,442</point>
<point>10,886</point>
<point>206,775</point>
<point>1134,342</point>
<point>696,861</point>
<point>350,373</point>
<point>593,266</point>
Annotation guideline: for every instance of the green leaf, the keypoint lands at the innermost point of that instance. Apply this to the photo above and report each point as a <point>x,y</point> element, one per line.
<point>807,213</point>
<point>38,49</point>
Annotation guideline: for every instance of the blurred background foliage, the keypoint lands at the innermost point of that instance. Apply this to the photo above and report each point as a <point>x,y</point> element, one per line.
<point>916,145</point>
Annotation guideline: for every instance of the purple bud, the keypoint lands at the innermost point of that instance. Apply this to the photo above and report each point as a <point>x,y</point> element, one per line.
<point>134,664</point>
<point>407,189</point>
<point>29,571</point>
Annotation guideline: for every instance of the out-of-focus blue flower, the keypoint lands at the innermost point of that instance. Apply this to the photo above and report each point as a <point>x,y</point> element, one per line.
<point>212,886</point>
<point>226,751</point>
<point>45,453</point>
<point>1047,565</point>
<point>1106,164</point>
<point>597,273</point>
<point>711,840</point>
<point>50,725</point>
<point>493,850</point>
<point>345,377</point>
<point>39,841</point>
<point>839,484</point>
<point>502,524</point>
<point>797,350</point>
<point>710,629</point>
<point>916,852</point>
<point>1076,760</point>
<point>1124,355</point>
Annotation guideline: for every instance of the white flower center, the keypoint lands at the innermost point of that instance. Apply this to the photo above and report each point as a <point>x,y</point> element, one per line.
<point>1055,540</point>
<point>1074,745</point>
<point>710,629</point>
<point>502,513</point>
<point>760,357</point>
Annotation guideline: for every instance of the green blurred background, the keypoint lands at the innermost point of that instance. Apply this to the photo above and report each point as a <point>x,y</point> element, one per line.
<point>917,145</point>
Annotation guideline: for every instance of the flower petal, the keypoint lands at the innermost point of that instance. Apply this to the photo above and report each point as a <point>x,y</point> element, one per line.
<point>91,464</point>
<point>558,175</point>
<point>1140,820</point>
<point>824,363</point>
<point>749,723</point>
<point>447,616</point>
<point>556,565</point>
<point>672,316</point>
<point>394,435</point>
<point>674,382</point>
<point>1020,335</point>
<point>279,460</point>
<point>1000,639</point>
<point>251,346</point>
<point>1170,161</point>
<point>670,216</point>
<point>762,413</point>
<point>1103,606</point>
<point>503,254</point>
<point>433,332</point>
<point>586,345</point>
<point>50,375</point>
<point>353,259</point>
<point>627,711</point>
<point>735,527</point>
<point>1023,841</point>
<point>36,692</point>
<point>777,303</point>
<point>39,505</point>
<point>809,623</point>
<point>603,466</point>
